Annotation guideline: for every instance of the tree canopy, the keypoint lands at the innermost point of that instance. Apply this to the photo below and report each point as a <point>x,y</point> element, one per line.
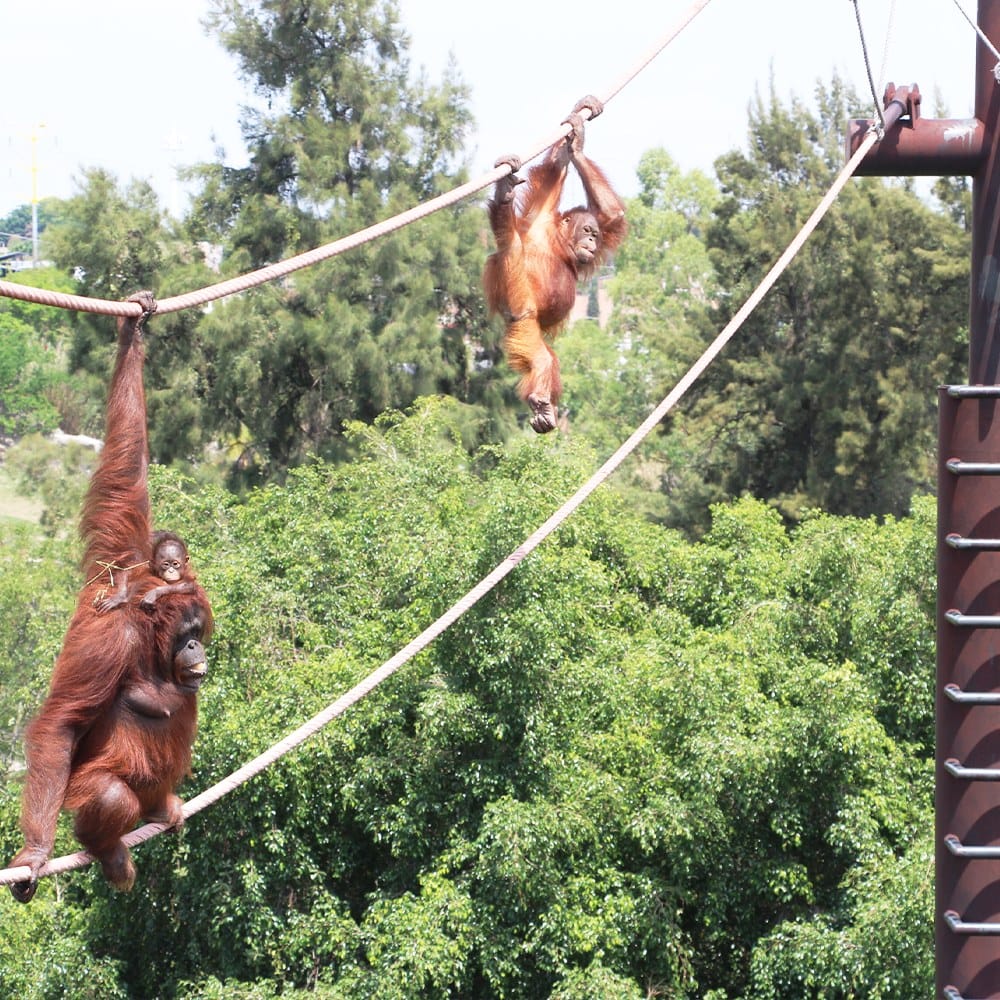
<point>642,764</point>
<point>828,399</point>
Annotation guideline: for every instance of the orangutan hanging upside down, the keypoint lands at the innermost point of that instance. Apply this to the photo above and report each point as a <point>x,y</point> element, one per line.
<point>541,255</point>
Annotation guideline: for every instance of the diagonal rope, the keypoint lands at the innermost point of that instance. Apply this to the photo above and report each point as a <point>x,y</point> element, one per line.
<point>415,646</point>
<point>271,272</point>
<point>984,38</point>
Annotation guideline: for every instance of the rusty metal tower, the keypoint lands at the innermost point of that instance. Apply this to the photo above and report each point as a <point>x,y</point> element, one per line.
<point>967,798</point>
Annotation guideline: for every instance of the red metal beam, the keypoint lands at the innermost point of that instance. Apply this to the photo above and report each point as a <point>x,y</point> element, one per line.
<point>928,147</point>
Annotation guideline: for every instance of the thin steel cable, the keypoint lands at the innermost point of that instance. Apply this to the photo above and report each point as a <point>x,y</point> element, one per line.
<point>982,34</point>
<point>271,272</point>
<point>415,646</point>
<point>868,68</point>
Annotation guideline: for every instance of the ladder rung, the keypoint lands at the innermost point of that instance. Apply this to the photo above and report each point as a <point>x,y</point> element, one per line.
<point>972,621</point>
<point>966,391</point>
<point>956,694</point>
<point>960,850</point>
<point>959,926</point>
<point>960,468</point>
<point>950,993</point>
<point>957,770</point>
<point>957,541</point>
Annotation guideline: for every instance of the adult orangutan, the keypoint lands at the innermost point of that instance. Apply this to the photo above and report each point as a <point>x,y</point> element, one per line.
<point>113,738</point>
<point>541,255</point>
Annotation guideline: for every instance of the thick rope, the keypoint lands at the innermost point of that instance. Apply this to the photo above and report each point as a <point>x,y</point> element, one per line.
<point>271,272</point>
<point>373,680</point>
<point>63,300</point>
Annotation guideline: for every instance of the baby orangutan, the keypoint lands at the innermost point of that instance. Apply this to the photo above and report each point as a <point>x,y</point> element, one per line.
<point>170,563</point>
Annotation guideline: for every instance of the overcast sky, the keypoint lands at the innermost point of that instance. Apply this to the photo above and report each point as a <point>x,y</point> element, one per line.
<point>138,87</point>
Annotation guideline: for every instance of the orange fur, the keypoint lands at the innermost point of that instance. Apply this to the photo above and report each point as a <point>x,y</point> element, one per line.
<point>85,749</point>
<point>532,277</point>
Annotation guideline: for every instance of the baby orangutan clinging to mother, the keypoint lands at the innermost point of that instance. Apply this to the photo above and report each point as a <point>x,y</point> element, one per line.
<point>170,567</point>
<point>541,255</point>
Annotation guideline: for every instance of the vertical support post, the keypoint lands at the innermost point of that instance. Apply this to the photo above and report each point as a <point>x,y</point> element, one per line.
<point>968,888</point>
<point>968,659</point>
<point>967,794</point>
<point>984,311</point>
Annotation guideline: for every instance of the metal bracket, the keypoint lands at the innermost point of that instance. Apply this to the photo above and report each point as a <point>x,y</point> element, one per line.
<point>908,98</point>
<point>960,697</point>
<point>960,850</point>
<point>973,391</point>
<point>955,617</point>
<point>960,468</point>
<point>959,542</point>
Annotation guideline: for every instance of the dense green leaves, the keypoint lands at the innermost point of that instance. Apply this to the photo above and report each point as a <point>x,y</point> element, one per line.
<point>641,764</point>
<point>356,141</point>
<point>35,393</point>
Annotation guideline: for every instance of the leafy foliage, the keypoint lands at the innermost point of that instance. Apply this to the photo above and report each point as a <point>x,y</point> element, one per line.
<point>826,397</point>
<point>356,140</point>
<point>641,766</point>
<point>33,380</point>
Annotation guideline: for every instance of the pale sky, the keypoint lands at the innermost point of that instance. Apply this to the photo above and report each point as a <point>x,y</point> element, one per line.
<point>137,87</point>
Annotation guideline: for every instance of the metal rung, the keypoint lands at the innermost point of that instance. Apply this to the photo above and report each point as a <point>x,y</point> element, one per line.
<point>957,770</point>
<point>959,926</point>
<point>972,621</point>
<point>960,850</point>
<point>956,694</point>
<point>960,468</point>
<point>980,391</point>
<point>957,541</point>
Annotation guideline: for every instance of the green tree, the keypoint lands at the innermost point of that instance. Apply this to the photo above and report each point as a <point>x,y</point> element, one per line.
<point>352,139</point>
<point>15,227</point>
<point>662,285</point>
<point>641,765</point>
<point>116,240</point>
<point>36,393</point>
<point>826,397</point>
<point>25,373</point>
<point>43,345</point>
